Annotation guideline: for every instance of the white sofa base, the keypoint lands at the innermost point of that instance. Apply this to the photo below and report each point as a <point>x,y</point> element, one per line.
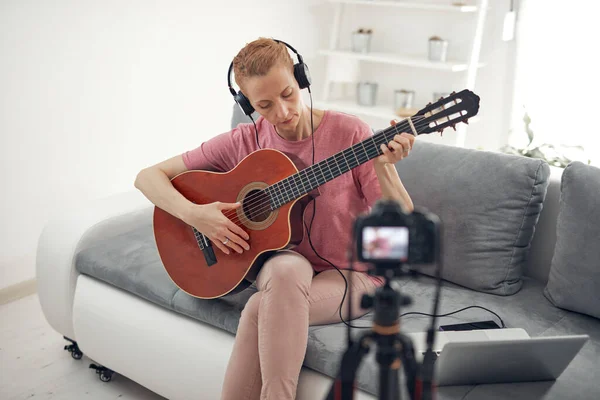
<point>171,354</point>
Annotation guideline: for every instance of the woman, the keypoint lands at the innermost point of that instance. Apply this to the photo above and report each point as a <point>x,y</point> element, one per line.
<point>295,288</point>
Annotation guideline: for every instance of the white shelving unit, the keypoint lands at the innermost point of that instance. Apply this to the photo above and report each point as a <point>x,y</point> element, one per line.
<point>386,112</point>
<point>398,59</point>
<point>415,5</point>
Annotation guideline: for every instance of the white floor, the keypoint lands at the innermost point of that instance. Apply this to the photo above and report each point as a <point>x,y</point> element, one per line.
<point>34,364</point>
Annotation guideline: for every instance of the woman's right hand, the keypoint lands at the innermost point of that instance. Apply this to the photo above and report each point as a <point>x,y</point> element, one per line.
<point>211,221</point>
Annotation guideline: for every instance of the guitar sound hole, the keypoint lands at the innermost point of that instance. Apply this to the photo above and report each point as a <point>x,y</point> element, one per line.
<point>256,206</point>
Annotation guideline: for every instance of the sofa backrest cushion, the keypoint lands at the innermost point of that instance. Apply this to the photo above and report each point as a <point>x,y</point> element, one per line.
<point>488,203</point>
<point>574,279</point>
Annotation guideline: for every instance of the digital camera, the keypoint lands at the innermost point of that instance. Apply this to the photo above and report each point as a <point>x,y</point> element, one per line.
<point>388,237</point>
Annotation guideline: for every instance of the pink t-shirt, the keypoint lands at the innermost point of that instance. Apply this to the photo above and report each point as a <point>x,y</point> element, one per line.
<point>340,200</point>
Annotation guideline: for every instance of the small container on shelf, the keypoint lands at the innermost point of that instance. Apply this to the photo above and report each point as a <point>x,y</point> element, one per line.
<point>366,93</point>
<point>403,98</point>
<point>403,102</point>
<point>438,49</point>
<point>361,40</point>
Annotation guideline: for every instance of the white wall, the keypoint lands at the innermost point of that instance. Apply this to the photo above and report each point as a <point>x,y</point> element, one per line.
<point>91,92</point>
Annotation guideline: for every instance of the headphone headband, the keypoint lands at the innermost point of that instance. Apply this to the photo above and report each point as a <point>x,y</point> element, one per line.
<point>301,74</point>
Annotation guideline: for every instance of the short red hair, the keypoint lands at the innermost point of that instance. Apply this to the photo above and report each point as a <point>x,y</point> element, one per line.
<point>258,57</point>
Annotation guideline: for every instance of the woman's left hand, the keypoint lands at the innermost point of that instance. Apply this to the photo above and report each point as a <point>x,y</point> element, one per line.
<point>397,149</point>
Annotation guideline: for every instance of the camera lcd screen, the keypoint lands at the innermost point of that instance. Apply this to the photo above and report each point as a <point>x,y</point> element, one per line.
<point>385,243</point>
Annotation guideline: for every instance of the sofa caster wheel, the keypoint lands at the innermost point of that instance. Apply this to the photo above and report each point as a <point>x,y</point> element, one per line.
<point>73,349</point>
<point>104,373</point>
<point>106,376</point>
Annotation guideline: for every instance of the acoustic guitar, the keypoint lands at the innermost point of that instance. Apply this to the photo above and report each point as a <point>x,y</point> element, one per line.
<point>272,196</point>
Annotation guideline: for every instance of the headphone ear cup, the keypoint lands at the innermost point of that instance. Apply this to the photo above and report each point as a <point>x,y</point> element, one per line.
<point>302,75</point>
<point>244,103</point>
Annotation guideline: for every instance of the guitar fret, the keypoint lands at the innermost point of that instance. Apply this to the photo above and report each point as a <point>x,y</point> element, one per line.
<point>376,146</point>
<point>365,150</point>
<point>337,164</point>
<point>296,186</point>
<point>277,192</point>
<point>281,188</point>
<point>327,163</point>
<point>385,136</point>
<point>306,190</point>
<point>371,150</point>
<point>286,190</point>
<point>319,175</point>
<point>346,160</point>
<point>316,183</point>
<point>268,191</point>
<point>355,158</point>
<point>322,174</point>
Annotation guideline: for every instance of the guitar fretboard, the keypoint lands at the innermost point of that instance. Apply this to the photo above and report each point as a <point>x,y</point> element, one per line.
<point>310,178</point>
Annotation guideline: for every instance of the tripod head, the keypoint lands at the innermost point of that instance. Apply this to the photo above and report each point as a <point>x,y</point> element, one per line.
<point>386,303</point>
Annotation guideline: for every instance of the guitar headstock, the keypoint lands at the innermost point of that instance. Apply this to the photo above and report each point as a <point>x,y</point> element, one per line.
<point>447,111</point>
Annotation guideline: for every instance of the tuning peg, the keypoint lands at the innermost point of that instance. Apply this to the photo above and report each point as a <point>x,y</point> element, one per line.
<point>466,121</point>
<point>453,92</point>
<point>453,127</point>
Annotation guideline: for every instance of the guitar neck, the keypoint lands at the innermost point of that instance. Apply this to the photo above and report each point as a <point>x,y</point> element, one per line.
<point>310,178</point>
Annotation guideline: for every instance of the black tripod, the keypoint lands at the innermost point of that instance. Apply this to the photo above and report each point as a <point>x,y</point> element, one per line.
<point>393,348</point>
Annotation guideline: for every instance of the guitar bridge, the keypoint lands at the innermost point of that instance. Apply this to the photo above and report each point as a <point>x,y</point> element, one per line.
<point>206,246</point>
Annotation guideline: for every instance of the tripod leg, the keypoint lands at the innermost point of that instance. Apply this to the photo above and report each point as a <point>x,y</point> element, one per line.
<point>389,382</point>
<point>409,363</point>
<point>343,386</point>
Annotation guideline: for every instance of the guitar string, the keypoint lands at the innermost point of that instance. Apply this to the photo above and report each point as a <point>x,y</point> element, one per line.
<point>281,196</point>
<point>260,207</point>
<point>265,207</point>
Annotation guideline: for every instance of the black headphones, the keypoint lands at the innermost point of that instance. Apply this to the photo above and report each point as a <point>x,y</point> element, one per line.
<point>300,73</point>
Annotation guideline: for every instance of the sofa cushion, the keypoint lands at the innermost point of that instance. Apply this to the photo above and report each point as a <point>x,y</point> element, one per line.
<point>489,204</point>
<point>574,279</point>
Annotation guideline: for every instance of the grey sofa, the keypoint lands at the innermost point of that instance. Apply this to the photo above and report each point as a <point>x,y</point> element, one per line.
<point>500,216</point>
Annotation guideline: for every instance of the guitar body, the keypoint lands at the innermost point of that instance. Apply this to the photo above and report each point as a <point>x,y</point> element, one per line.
<point>273,194</point>
<point>178,244</point>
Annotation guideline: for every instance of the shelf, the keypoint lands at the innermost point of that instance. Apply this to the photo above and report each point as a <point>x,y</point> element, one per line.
<point>409,5</point>
<point>350,107</point>
<point>388,58</point>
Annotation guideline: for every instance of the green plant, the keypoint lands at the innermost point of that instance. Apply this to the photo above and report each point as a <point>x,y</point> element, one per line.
<point>559,156</point>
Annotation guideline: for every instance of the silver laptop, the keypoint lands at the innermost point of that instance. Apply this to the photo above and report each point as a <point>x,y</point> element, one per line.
<point>498,355</point>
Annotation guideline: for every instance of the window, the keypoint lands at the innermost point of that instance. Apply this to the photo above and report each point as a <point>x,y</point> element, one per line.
<point>557,80</point>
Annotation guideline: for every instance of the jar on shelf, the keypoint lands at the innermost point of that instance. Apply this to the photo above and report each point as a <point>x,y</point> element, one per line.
<point>438,49</point>
<point>361,40</point>
<point>366,93</point>
<point>403,98</point>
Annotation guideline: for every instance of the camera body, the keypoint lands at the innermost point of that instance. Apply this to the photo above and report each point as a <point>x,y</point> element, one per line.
<point>389,238</point>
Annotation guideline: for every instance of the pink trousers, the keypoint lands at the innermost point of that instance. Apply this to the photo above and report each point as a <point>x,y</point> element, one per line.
<point>272,335</point>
